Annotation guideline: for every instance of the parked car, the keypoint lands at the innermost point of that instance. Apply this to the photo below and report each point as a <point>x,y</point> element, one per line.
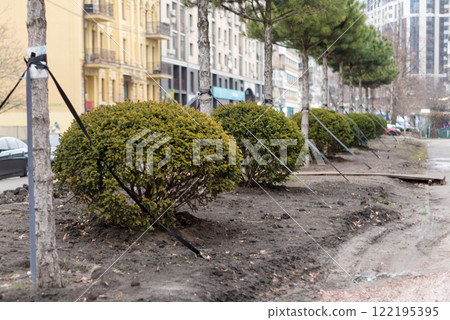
<point>13,158</point>
<point>401,127</point>
<point>392,132</point>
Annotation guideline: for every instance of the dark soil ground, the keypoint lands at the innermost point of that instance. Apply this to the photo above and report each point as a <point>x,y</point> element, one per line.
<point>258,252</point>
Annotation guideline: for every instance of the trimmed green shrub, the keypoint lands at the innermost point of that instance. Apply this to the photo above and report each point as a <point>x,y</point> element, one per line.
<point>268,125</point>
<point>354,128</point>
<point>379,129</point>
<point>177,182</point>
<point>320,137</point>
<point>365,123</point>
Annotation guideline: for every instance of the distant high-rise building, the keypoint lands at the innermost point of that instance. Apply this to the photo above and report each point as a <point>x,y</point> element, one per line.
<point>421,26</point>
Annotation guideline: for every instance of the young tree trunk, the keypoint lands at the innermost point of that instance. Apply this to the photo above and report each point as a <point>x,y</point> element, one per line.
<point>48,271</point>
<point>352,96</point>
<point>360,90</point>
<point>205,100</point>
<point>367,97</point>
<point>268,68</point>
<point>341,84</point>
<point>372,99</point>
<point>305,102</point>
<point>325,80</point>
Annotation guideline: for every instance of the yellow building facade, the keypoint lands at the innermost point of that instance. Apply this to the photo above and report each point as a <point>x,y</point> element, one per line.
<point>100,51</point>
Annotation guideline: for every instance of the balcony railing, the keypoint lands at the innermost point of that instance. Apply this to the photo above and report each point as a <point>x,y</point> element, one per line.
<point>102,8</point>
<point>159,68</point>
<point>97,55</point>
<point>158,29</point>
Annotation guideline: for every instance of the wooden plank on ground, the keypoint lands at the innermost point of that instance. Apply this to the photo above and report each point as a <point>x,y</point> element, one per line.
<point>430,179</point>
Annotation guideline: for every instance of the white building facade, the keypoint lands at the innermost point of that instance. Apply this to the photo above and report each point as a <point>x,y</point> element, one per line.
<point>286,84</point>
<point>237,62</point>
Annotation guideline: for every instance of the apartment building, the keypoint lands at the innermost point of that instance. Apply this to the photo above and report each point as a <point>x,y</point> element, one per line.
<point>122,51</point>
<point>102,52</point>
<point>286,84</point>
<point>423,29</point>
<point>236,61</point>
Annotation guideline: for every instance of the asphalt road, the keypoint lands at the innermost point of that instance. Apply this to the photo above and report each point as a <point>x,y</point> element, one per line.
<point>12,183</point>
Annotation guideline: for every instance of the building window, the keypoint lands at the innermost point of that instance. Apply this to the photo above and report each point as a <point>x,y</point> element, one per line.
<point>430,45</point>
<point>174,42</point>
<point>182,47</point>
<point>430,6</point>
<point>182,24</point>
<point>113,90</point>
<point>124,10</point>
<point>168,11</point>
<point>191,50</point>
<point>124,50</point>
<point>191,79</point>
<point>442,6</point>
<point>103,90</point>
<point>414,44</point>
<point>415,6</point>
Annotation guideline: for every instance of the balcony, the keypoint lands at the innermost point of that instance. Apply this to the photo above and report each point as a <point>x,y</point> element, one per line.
<point>102,11</point>
<point>158,31</point>
<point>159,70</point>
<point>98,56</point>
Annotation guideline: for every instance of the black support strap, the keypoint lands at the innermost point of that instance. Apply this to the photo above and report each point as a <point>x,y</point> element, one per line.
<point>11,92</point>
<point>122,185</point>
<point>37,63</point>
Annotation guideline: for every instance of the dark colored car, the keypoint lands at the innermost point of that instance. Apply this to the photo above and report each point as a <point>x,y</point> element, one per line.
<point>13,158</point>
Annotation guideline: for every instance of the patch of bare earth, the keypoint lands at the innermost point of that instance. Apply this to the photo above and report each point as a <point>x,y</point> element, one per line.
<point>258,252</point>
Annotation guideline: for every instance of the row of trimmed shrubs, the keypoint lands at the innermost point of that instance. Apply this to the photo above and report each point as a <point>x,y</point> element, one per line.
<point>181,181</point>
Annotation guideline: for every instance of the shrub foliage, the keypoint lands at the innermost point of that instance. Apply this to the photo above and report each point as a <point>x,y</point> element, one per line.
<point>365,123</point>
<point>336,123</point>
<point>270,127</point>
<point>178,182</point>
<point>354,128</point>
<point>379,129</point>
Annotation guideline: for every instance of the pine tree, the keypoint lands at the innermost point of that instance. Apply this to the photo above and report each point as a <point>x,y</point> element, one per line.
<point>262,16</point>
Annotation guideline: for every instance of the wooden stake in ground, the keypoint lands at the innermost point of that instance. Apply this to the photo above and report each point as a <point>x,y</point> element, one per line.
<point>48,271</point>
<point>204,57</point>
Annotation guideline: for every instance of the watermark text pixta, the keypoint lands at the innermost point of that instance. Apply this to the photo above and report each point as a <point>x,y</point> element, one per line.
<point>152,141</point>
